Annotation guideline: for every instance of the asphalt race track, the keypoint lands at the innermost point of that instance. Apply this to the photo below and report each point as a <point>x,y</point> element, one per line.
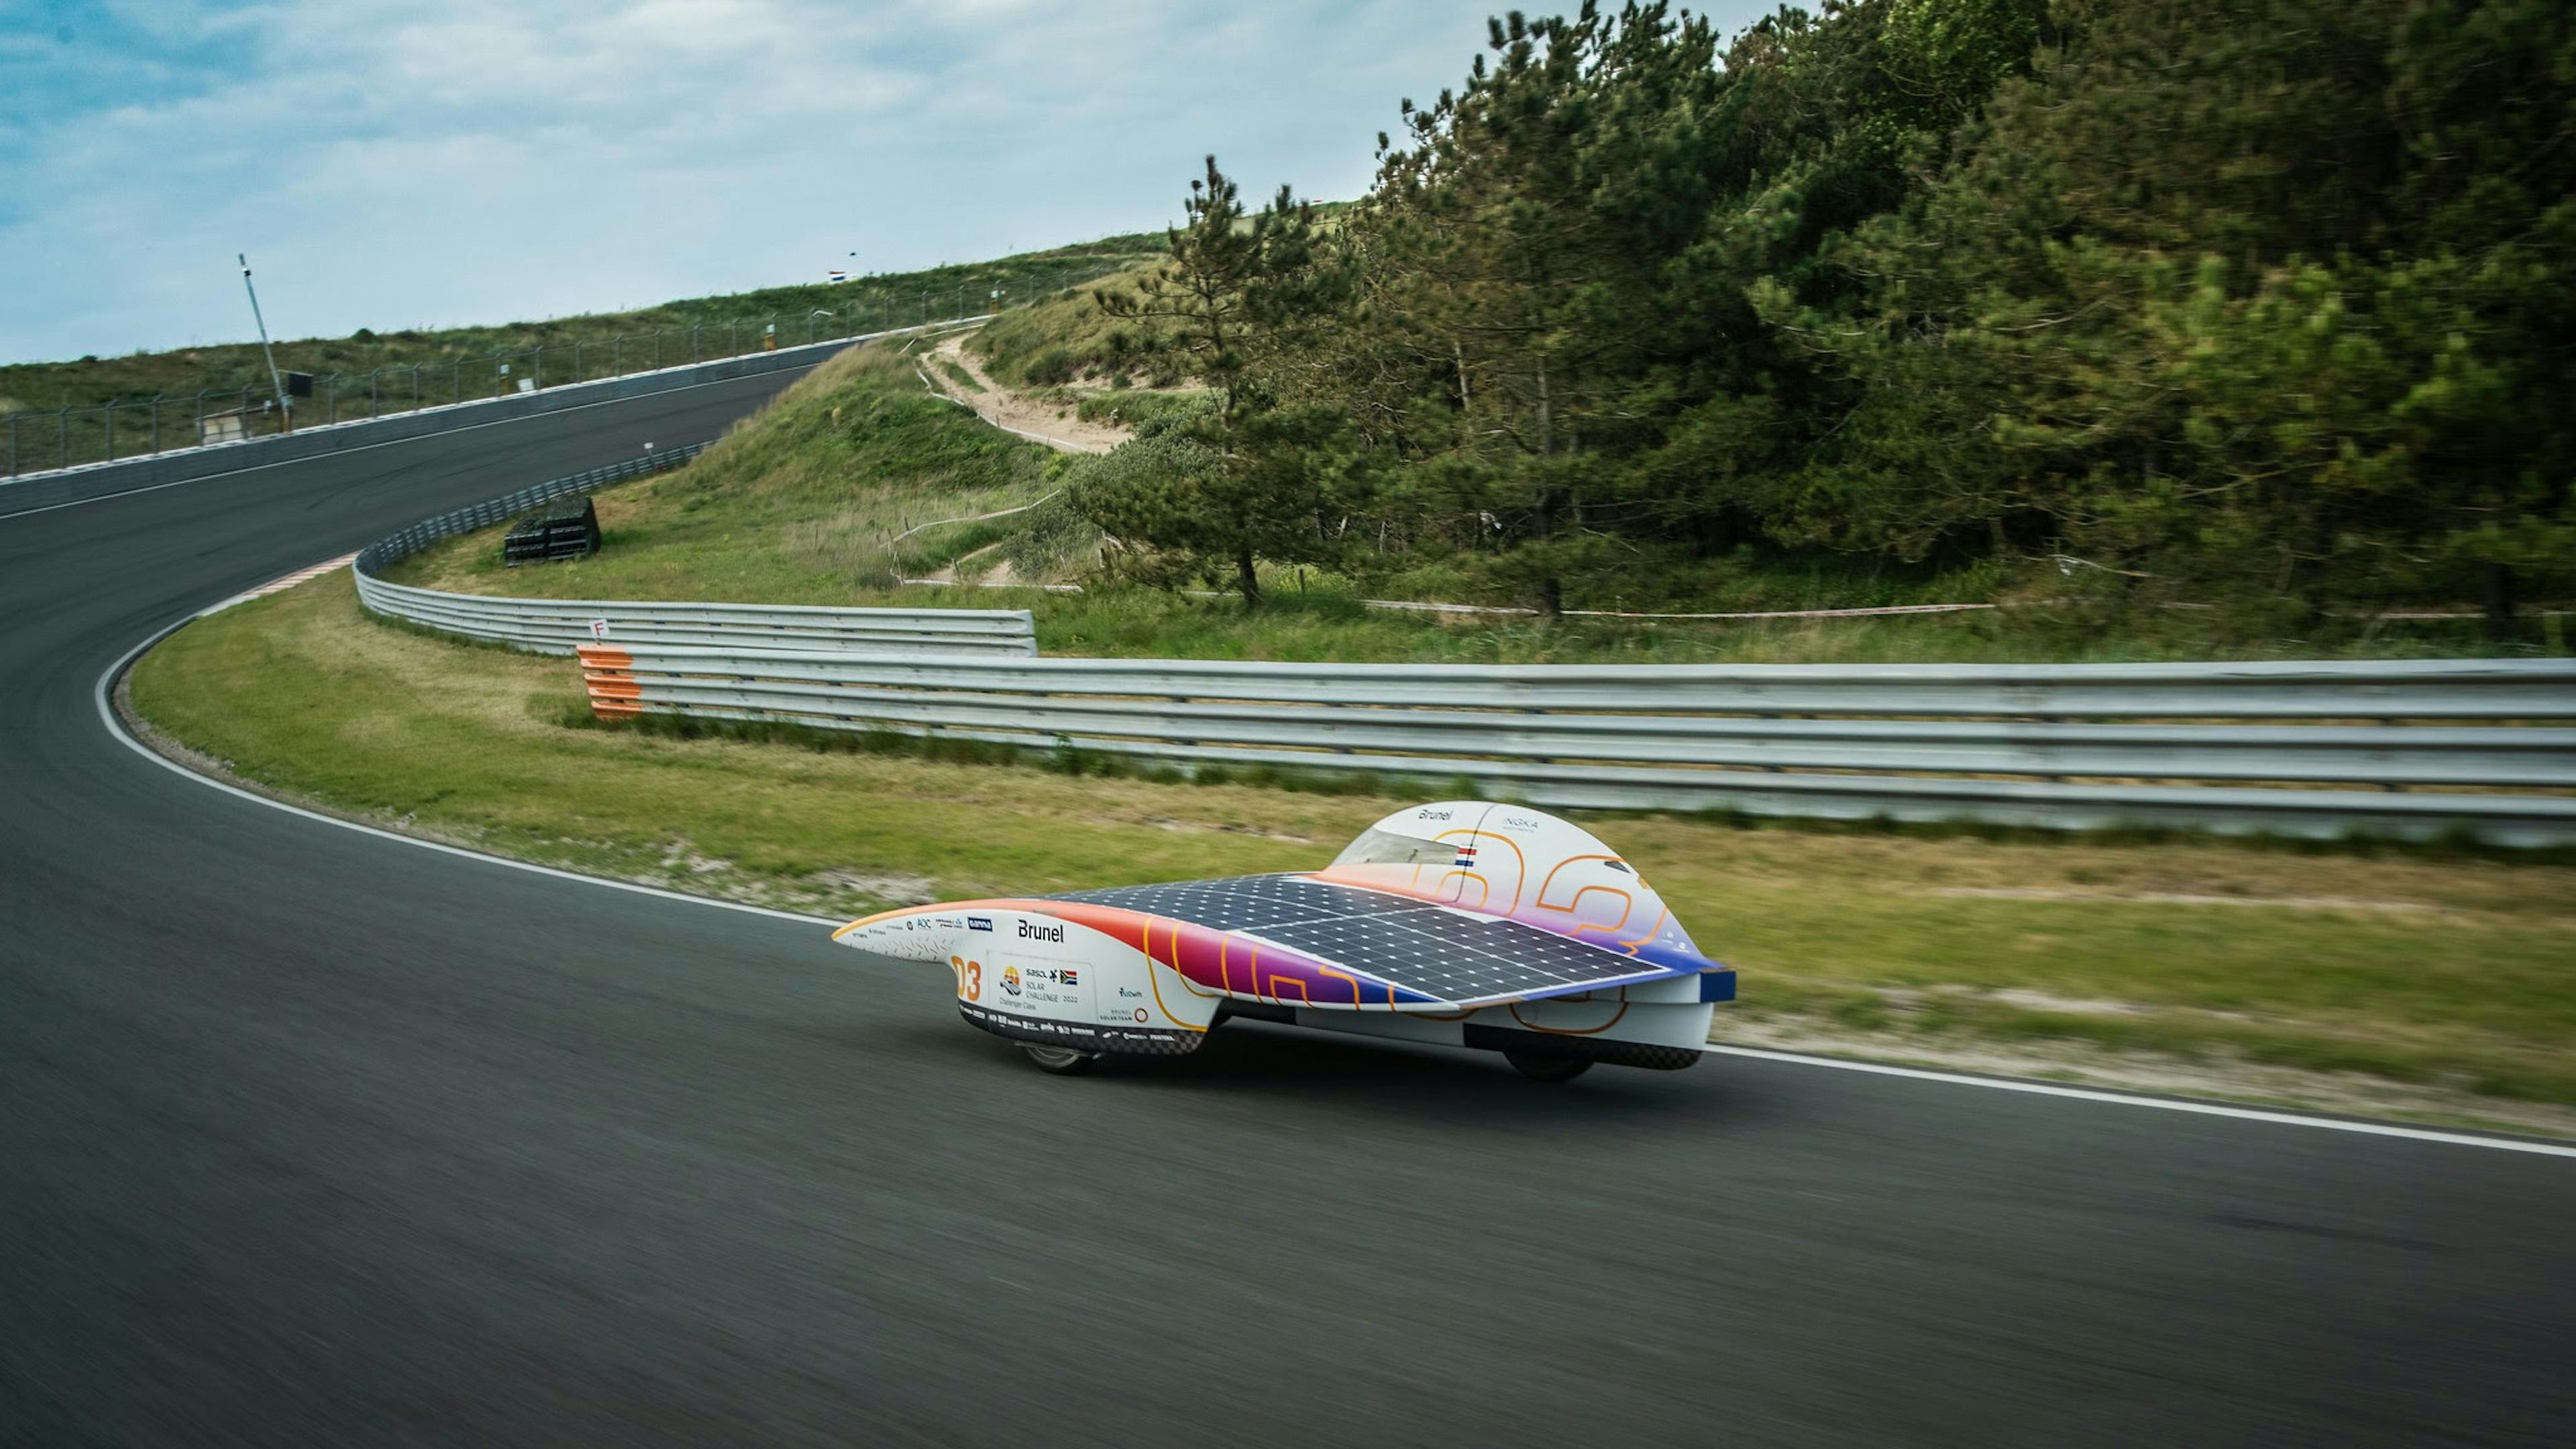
<point>311,1137</point>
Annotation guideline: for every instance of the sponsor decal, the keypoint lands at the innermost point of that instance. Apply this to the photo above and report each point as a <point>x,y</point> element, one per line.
<point>1118,1035</point>
<point>979,923</point>
<point>1130,992</point>
<point>1427,813</point>
<point>1040,931</point>
<point>1067,976</point>
<point>1011,980</point>
<point>1140,1013</point>
<point>1466,855</point>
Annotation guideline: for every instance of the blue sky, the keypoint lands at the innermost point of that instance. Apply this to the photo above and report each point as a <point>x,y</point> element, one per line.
<point>392,163</point>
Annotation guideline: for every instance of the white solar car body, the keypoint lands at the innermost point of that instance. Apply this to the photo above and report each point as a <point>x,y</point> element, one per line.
<point>1458,923</point>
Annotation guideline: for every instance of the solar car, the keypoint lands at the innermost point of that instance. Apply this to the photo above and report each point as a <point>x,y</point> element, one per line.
<point>1459,923</point>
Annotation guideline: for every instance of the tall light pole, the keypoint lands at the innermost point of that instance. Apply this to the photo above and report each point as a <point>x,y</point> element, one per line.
<point>285,421</point>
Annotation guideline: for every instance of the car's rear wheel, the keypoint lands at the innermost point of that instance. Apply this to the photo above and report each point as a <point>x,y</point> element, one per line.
<point>1063,1061</point>
<point>1545,1068</point>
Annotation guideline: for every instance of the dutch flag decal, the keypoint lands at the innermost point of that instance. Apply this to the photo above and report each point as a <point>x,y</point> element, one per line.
<point>1466,855</point>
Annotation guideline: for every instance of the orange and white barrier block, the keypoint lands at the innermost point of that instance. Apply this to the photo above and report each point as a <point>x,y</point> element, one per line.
<point>609,675</point>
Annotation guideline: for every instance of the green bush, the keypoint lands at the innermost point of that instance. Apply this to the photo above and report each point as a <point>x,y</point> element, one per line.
<point>1051,368</point>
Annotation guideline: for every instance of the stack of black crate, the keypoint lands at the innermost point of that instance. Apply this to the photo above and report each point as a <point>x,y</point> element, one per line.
<point>567,529</point>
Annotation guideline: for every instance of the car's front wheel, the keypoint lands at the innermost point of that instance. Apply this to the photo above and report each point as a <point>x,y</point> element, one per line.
<point>1063,1061</point>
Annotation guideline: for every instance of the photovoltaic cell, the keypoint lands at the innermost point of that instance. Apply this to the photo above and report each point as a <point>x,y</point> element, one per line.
<point>1452,955</point>
<point>1248,902</point>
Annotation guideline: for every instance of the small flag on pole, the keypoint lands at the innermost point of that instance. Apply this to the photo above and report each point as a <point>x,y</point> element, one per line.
<point>837,275</point>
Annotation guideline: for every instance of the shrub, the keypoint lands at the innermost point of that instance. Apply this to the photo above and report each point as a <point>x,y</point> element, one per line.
<point>1050,368</point>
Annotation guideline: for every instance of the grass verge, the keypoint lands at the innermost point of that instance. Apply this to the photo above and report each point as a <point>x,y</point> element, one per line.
<point>2398,985</point>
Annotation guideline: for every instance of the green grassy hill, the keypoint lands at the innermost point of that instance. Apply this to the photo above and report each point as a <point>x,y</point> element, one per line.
<point>724,324</point>
<point>804,504</point>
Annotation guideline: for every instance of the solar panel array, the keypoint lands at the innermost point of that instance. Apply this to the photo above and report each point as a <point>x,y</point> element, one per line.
<point>1447,954</point>
<point>1245,902</point>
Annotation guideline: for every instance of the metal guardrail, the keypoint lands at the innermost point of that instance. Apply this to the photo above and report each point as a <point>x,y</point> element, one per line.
<point>2407,748</point>
<point>555,626</point>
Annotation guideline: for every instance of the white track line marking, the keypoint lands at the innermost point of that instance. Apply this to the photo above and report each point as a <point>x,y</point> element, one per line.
<point>116,727</point>
<point>281,584</point>
<point>2169,1104</point>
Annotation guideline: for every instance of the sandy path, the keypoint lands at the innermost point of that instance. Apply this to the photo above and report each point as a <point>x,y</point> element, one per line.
<point>1055,425</point>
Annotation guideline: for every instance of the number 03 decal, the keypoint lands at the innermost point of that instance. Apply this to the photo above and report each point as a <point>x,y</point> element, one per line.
<point>970,977</point>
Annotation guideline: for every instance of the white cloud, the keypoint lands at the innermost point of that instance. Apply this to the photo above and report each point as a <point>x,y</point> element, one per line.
<point>392,164</point>
<point>387,163</point>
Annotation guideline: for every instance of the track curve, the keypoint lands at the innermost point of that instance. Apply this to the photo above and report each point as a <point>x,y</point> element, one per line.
<point>308,1136</point>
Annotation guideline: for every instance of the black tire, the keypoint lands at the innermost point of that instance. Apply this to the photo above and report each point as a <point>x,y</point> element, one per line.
<point>1547,1069</point>
<point>1063,1061</point>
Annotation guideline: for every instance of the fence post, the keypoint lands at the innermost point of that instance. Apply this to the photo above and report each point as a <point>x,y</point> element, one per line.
<point>657,349</point>
<point>617,355</point>
<point>536,369</point>
<point>107,416</point>
<point>415,387</point>
<point>201,418</point>
<point>156,422</point>
<point>13,443</point>
<point>693,344</point>
<point>733,338</point>
<point>576,362</point>
<point>64,419</point>
<point>374,377</point>
<point>331,399</point>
